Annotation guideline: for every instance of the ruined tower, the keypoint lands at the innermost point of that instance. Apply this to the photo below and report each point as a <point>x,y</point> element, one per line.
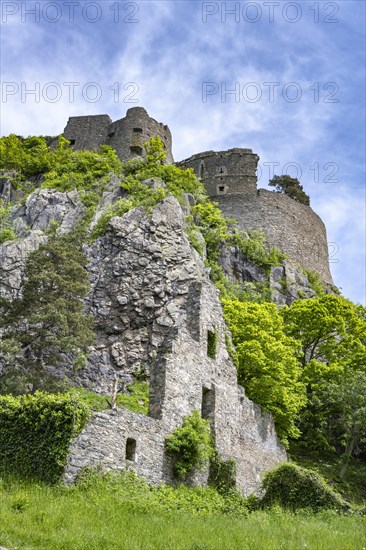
<point>126,135</point>
<point>294,228</point>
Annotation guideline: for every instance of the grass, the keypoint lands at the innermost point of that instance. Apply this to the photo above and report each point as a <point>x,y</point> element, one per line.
<point>125,514</point>
<point>137,400</point>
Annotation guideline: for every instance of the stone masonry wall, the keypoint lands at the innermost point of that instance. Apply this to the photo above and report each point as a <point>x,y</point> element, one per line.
<point>230,179</point>
<point>126,135</point>
<point>232,171</point>
<point>287,224</point>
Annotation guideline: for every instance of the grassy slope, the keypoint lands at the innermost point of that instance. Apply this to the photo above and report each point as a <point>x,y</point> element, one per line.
<point>106,517</point>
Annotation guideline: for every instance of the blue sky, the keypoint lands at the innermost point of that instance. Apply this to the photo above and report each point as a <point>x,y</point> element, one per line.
<point>298,69</point>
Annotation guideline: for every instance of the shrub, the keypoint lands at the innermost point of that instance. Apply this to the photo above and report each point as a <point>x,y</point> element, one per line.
<point>119,208</point>
<point>190,445</point>
<point>294,487</point>
<point>222,474</point>
<point>36,432</point>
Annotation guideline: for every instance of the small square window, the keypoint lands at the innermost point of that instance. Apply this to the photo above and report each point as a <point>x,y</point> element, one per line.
<point>137,130</point>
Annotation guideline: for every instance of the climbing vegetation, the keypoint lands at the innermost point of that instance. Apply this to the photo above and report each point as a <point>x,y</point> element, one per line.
<point>36,432</point>
<point>294,487</point>
<point>190,445</point>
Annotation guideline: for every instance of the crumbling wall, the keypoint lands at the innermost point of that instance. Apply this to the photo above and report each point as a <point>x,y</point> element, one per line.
<point>126,135</point>
<point>149,281</point>
<point>292,227</point>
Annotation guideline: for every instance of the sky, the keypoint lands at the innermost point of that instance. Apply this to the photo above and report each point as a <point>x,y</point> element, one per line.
<point>286,79</point>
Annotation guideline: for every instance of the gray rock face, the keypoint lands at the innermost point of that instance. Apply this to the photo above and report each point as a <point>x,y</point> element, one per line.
<point>289,283</point>
<point>13,255</point>
<point>238,268</point>
<point>44,206</point>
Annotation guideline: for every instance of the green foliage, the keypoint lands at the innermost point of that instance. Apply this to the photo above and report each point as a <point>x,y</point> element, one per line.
<point>6,227</point>
<point>190,445</point>
<point>352,485</point>
<point>7,235</point>
<point>291,187</point>
<point>119,208</point>
<point>243,291</point>
<point>47,321</point>
<point>35,434</point>
<point>61,168</point>
<point>253,246</point>
<point>29,156</point>
<point>222,474</point>
<point>268,367</point>
<point>136,400</point>
<point>294,487</point>
<point>332,333</point>
<point>315,282</point>
<point>79,169</point>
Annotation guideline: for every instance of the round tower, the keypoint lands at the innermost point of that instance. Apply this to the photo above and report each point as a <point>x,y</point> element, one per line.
<point>230,179</point>
<point>231,172</point>
<point>128,135</point>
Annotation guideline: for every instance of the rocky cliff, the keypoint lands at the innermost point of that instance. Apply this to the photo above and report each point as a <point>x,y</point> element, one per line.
<point>154,307</point>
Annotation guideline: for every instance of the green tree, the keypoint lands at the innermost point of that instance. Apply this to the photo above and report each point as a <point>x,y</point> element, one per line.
<point>291,187</point>
<point>332,333</point>
<point>47,323</point>
<point>345,404</point>
<point>268,367</point>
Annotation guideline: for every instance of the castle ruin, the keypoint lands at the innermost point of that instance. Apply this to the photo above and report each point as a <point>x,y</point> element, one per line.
<point>230,179</point>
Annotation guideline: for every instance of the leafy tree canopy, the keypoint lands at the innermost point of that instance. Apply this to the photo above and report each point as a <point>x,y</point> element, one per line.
<point>291,187</point>
<point>267,361</point>
<point>332,333</point>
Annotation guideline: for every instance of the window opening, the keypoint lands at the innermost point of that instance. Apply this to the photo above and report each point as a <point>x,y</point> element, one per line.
<point>131,449</point>
<point>208,404</point>
<point>212,338</point>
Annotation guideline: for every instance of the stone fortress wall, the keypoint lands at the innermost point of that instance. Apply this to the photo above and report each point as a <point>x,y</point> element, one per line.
<point>126,135</point>
<point>230,179</point>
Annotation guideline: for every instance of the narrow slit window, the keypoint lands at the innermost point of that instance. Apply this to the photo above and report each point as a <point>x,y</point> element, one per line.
<point>131,449</point>
<point>208,404</point>
<point>212,338</point>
